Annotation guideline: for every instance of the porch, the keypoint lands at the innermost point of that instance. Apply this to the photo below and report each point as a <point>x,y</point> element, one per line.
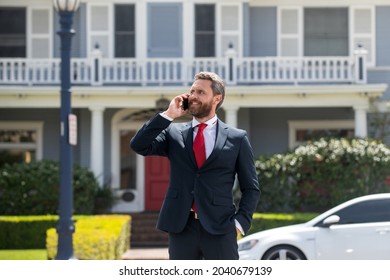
<point>100,71</point>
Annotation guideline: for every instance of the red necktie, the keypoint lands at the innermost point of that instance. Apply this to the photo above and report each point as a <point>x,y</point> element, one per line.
<point>199,150</point>
<point>199,146</point>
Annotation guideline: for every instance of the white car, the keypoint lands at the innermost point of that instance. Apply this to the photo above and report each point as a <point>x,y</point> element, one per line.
<point>356,229</point>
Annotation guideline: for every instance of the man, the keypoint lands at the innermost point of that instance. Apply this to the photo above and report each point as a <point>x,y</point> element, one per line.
<point>198,210</point>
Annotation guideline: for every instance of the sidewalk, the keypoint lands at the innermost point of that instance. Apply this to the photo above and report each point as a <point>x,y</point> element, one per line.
<point>146,254</point>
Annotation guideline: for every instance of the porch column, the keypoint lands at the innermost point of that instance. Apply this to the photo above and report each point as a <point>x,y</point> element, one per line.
<point>231,114</point>
<point>97,149</point>
<point>361,120</point>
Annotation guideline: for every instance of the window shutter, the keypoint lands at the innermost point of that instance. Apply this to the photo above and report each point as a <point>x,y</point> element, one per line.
<point>290,31</point>
<point>363,30</point>
<point>40,30</point>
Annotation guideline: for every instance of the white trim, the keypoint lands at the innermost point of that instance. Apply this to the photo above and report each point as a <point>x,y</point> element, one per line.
<point>138,204</point>
<point>294,125</point>
<point>38,126</point>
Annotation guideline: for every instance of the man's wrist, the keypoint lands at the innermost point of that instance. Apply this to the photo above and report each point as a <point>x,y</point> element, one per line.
<point>164,115</point>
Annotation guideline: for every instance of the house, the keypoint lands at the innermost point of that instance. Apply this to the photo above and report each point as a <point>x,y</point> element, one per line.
<point>294,70</point>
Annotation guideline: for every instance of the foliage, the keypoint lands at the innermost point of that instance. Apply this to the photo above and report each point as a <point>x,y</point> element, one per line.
<point>104,237</point>
<point>322,174</point>
<point>33,189</point>
<point>23,254</point>
<point>266,221</point>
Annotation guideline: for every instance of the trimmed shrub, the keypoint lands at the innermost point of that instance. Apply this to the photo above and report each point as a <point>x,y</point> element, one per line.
<point>267,221</point>
<point>25,232</point>
<point>33,189</point>
<point>322,174</point>
<point>105,237</point>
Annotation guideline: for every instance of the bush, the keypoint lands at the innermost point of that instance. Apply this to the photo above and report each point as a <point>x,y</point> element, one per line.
<point>105,237</point>
<point>319,175</point>
<point>267,221</point>
<point>25,232</point>
<point>33,189</point>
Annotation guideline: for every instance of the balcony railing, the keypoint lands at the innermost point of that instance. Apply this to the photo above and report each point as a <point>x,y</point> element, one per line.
<point>99,71</point>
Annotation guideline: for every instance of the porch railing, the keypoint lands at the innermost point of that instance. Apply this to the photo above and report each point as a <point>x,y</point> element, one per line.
<point>99,71</point>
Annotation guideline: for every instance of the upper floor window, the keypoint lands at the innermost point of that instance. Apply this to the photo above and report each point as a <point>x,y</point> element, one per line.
<point>124,31</point>
<point>12,32</point>
<point>20,142</point>
<point>326,32</point>
<point>204,30</point>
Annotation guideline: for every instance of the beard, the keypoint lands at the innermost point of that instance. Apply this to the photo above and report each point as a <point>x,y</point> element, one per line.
<point>200,111</point>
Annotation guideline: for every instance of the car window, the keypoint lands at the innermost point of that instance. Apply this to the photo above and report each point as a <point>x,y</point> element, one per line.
<point>366,212</point>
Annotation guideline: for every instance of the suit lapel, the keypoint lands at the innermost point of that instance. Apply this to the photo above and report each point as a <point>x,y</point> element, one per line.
<point>221,136</point>
<point>187,133</point>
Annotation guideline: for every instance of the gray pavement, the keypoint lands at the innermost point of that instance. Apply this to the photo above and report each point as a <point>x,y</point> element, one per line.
<point>146,254</point>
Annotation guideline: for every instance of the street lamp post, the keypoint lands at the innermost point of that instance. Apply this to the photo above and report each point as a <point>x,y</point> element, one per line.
<point>65,228</point>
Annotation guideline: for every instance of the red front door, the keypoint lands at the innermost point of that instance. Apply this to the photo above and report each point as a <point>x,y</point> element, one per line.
<point>156,181</point>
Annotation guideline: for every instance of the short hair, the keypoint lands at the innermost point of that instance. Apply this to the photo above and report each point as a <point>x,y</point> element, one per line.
<point>217,84</point>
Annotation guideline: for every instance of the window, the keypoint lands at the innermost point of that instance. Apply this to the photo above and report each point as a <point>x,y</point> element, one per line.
<point>204,30</point>
<point>326,32</point>
<point>372,211</point>
<point>124,31</point>
<point>20,142</point>
<point>12,32</point>
<point>303,131</point>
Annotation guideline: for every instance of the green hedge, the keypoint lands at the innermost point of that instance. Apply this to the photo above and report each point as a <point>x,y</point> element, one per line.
<point>104,237</point>
<point>33,189</point>
<point>267,221</point>
<point>25,232</point>
<point>30,232</point>
<point>322,174</point>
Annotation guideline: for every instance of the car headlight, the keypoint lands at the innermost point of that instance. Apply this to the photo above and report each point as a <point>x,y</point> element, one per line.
<point>247,245</point>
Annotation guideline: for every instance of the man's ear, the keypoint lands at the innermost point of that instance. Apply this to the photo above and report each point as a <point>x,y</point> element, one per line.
<point>218,99</point>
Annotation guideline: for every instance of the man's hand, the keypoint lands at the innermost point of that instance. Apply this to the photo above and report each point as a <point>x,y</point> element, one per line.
<point>175,108</point>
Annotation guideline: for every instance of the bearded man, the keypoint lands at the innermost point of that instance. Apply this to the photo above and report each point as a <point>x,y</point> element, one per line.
<point>206,157</point>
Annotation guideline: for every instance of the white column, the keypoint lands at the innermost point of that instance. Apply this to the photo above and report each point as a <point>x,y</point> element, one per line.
<point>361,120</point>
<point>231,114</point>
<point>97,148</point>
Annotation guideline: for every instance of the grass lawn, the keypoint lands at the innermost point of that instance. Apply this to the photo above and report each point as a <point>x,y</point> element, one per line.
<point>23,254</point>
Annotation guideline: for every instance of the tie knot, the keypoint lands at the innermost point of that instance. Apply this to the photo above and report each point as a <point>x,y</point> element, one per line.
<point>201,127</point>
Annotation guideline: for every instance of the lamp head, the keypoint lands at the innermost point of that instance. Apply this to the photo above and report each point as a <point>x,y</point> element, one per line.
<point>66,5</point>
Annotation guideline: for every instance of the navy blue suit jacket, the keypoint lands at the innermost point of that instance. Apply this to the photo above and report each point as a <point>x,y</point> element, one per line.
<point>211,185</point>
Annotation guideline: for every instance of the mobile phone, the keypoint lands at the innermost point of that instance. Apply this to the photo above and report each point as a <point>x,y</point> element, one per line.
<point>185,103</point>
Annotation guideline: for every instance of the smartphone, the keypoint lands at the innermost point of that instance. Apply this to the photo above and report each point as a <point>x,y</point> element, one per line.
<point>185,104</point>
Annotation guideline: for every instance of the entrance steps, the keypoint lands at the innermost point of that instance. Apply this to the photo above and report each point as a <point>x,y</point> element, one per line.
<point>144,233</point>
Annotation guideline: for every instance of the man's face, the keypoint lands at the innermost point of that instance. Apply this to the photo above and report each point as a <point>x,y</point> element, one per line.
<point>202,102</point>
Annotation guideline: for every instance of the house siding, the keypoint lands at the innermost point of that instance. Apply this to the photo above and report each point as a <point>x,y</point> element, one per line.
<point>271,125</point>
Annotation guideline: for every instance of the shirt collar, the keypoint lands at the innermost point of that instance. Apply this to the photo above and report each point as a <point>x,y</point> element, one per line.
<point>209,123</point>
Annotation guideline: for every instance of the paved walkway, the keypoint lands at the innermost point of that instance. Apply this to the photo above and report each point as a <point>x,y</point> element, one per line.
<point>146,254</point>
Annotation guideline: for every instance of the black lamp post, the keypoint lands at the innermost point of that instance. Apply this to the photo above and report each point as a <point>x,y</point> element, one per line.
<point>65,228</point>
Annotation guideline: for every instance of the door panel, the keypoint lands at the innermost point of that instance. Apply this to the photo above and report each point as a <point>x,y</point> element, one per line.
<point>156,181</point>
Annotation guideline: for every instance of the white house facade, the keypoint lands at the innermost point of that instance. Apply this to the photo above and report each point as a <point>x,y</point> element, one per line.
<point>294,70</point>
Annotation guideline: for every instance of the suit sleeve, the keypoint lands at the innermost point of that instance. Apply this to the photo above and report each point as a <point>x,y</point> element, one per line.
<point>249,185</point>
<point>151,139</point>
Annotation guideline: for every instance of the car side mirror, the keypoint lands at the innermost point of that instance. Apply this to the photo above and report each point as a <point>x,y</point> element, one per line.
<point>331,220</point>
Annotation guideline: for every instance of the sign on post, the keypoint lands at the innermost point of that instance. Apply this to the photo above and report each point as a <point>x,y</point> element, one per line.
<point>72,121</point>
